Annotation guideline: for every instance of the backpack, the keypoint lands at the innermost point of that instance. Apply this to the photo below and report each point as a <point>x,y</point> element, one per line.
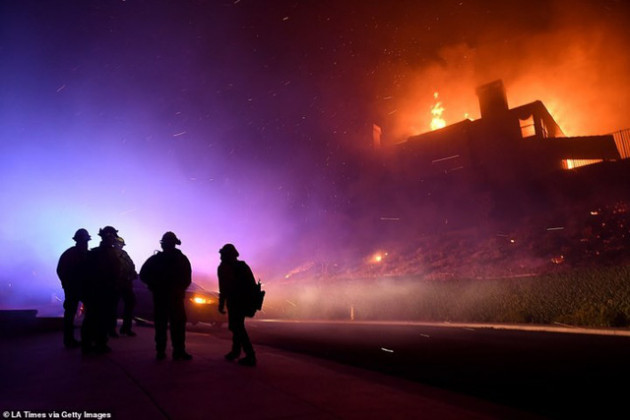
<point>253,295</point>
<point>255,300</point>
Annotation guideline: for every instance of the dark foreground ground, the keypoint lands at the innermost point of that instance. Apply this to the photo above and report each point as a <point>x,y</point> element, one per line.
<point>552,371</point>
<point>39,378</point>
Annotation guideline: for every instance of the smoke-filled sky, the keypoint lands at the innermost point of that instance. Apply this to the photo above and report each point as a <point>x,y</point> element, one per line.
<point>249,121</point>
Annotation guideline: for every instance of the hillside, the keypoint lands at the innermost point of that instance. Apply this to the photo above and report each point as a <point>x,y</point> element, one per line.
<point>578,218</point>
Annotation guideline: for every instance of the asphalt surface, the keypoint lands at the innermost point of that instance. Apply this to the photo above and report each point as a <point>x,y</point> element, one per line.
<point>39,378</point>
<point>553,371</point>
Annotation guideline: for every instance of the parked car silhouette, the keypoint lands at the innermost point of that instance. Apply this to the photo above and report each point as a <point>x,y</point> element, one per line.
<point>201,305</point>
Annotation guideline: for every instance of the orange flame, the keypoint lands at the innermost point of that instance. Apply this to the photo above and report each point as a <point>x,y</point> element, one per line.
<point>436,110</point>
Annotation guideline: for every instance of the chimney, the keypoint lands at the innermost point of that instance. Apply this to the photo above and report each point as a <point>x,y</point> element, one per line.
<point>492,99</point>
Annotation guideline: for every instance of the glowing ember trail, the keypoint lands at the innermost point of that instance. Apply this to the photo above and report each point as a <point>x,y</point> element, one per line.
<point>436,110</point>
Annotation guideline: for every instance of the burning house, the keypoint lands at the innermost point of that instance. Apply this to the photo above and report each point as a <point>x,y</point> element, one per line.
<point>504,145</point>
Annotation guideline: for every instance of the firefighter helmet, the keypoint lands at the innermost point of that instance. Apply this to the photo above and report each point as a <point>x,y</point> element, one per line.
<point>229,250</point>
<point>119,242</point>
<point>81,235</point>
<point>170,238</point>
<point>107,230</point>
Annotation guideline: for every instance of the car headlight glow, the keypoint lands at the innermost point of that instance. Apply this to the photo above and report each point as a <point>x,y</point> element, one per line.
<point>200,300</point>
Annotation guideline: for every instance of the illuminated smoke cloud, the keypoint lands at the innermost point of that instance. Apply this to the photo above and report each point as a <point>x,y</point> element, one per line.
<point>571,60</point>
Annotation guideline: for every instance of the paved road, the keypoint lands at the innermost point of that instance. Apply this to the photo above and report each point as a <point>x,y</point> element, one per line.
<point>456,372</point>
<point>39,376</point>
<point>553,374</point>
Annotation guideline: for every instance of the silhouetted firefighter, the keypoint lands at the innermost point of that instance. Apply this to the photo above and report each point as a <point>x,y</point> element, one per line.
<point>72,271</point>
<point>236,283</point>
<point>124,291</point>
<point>168,274</point>
<point>104,270</point>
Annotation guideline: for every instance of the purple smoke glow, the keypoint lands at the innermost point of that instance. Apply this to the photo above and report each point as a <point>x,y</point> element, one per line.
<point>103,123</point>
<point>235,121</point>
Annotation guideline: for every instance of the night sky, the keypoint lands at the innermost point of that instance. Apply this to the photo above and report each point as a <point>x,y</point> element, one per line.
<point>251,121</point>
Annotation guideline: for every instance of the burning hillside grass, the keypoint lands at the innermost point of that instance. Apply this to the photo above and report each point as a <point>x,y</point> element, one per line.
<point>575,237</point>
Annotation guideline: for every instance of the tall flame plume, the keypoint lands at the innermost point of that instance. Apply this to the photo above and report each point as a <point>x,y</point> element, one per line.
<point>436,111</point>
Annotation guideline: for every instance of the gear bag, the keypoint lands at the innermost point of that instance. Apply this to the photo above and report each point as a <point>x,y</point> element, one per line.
<point>256,298</point>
